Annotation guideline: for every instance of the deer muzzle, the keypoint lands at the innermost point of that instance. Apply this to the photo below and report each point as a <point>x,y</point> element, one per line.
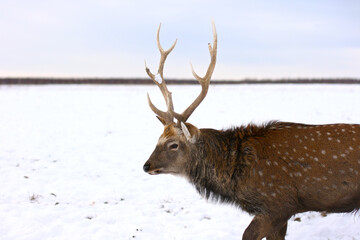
<point>148,168</point>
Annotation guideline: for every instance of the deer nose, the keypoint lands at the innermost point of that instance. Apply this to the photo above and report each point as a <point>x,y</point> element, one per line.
<point>146,167</point>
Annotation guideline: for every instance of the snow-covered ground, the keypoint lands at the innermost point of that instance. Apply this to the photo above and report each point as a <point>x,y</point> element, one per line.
<point>71,160</point>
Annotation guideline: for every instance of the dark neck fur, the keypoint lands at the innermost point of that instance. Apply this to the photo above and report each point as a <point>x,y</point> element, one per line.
<point>220,159</point>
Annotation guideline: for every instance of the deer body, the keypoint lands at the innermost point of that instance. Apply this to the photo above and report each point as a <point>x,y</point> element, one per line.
<point>265,168</point>
<point>271,171</point>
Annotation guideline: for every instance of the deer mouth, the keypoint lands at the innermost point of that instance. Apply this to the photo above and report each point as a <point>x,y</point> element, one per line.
<point>160,171</point>
<point>156,171</point>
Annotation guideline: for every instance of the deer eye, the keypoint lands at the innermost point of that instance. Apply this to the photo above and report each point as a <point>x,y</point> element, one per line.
<point>173,146</point>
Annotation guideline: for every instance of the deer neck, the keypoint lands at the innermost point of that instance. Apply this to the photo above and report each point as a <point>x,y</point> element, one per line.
<point>214,168</point>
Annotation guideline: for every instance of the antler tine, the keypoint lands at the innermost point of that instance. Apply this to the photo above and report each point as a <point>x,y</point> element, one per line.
<point>204,81</point>
<point>163,53</point>
<point>159,81</point>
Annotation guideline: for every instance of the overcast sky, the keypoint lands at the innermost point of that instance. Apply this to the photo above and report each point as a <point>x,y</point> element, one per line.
<point>112,38</point>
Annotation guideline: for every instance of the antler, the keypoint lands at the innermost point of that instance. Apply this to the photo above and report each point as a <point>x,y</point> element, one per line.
<point>204,81</point>
<point>159,81</point>
<point>168,116</point>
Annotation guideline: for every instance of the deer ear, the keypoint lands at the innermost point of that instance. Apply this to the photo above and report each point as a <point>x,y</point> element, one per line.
<point>190,132</point>
<point>161,120</point>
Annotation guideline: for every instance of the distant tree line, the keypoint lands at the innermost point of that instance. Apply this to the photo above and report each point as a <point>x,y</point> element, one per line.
<point>141,81</point>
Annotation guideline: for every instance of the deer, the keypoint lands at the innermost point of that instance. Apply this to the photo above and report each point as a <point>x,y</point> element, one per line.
<point>271,171</point>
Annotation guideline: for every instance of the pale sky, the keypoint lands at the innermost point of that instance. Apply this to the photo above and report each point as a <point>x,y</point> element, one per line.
<point>112,38</point>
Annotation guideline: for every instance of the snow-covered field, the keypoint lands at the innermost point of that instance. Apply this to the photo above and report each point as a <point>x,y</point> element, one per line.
<point>71,160</point>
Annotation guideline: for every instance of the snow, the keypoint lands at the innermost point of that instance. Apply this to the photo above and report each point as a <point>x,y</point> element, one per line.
<point>71,160</point>
<point>158,78</point>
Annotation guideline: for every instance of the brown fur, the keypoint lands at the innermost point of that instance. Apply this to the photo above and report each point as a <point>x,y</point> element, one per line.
<point>272,171</point>
<point>169,131</point>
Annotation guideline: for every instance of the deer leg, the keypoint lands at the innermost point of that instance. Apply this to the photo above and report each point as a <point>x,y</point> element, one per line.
<point>252,232</point>
<point>264,226</point>
<point>279,235</point>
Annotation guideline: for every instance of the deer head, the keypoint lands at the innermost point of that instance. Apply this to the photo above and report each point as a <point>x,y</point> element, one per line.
<point>173,147</point>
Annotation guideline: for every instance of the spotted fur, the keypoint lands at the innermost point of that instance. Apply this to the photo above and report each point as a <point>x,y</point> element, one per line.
<point>275,170</point>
